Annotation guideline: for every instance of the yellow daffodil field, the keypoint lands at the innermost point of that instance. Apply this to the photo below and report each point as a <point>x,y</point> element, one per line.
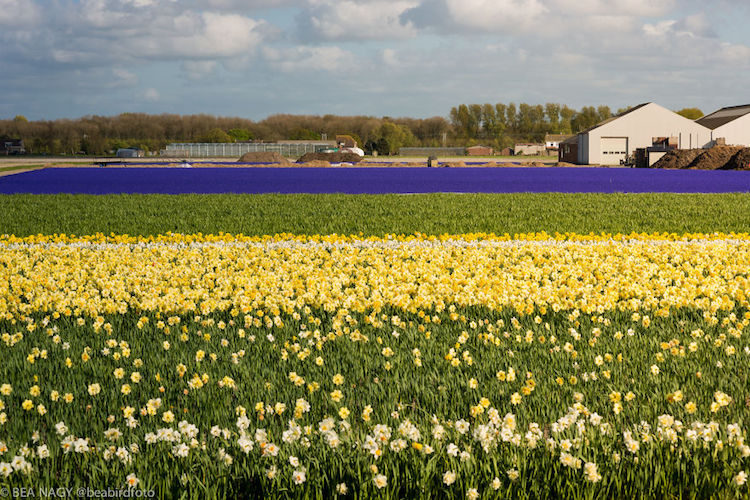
<point>451,366</point>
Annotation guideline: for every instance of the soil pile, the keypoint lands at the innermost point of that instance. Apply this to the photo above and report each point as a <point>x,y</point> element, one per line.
<point>262,157</point>
<point>315,164</point>
<point>678,158</point>
<point>330,157</point>
<point>715,158</point>
<point>740,161</point>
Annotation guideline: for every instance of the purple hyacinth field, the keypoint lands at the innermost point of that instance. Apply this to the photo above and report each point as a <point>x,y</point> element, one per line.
<point>372,180</point>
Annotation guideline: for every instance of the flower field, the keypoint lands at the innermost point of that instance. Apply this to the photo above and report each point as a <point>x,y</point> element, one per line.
<point>373,180</point>
<point>465,366</point>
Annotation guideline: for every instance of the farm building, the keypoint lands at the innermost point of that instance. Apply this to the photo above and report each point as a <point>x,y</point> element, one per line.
<point>11,147</point>
<point>567,151</point>
<point>611,141</point>
<point>552,141</point>
<point>129,153</point>
<point>346,141</point>
<point>237,149</point>
<point>479,151</point>
<point>731,124</point>
<point>528,148</point>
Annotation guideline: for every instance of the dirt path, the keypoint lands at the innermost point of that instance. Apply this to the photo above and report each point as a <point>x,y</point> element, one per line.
<point>3,173</point>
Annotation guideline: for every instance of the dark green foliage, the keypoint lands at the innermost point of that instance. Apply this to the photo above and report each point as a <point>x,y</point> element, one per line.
<point>374,214</point>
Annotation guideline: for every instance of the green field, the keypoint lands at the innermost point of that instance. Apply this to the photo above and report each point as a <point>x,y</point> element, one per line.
<point>374,214</point>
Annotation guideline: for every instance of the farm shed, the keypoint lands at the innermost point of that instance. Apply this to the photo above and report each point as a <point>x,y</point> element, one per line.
<point>129,153</point>
<point>528,148</point>
<point>11,146</point>
<point>568,150</point>
<point>479,151</point>
<point>346,141</point>
<point>611,141</point>
<point>731,124</point>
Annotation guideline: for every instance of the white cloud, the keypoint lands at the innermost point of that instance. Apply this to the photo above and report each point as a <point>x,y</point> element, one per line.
<point>389,57</point>
<point>19,13</point>
<point>633,8</point>
<point>660,29</point>
<point>326,58</point>
<point>124,77</point>
<point>151,95</point>
<point>492,15</point>
<point>198,69</point>
<point>356,20</point>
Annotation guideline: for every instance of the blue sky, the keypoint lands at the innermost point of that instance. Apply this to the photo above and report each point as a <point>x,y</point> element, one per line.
<point>71,58</point>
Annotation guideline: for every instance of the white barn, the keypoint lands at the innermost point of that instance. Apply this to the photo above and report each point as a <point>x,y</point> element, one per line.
<point>614,139</point>
<point>731,124</point>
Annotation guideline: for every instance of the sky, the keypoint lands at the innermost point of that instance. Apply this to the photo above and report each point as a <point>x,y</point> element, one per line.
<point>398,58</point>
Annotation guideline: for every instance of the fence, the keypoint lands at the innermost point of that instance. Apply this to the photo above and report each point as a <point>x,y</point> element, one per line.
<point>237,149</point>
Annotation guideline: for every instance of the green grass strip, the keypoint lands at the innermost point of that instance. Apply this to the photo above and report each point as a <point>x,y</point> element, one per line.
<point>374,214</point>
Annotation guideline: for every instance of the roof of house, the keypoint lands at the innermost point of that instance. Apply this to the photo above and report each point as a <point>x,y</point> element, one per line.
<point>479,146</point>
<point>634,108</point>
<point>723,116</point>
<point>573,139</point>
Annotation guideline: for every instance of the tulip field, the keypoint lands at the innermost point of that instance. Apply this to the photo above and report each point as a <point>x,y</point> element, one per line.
<point>471,364</point>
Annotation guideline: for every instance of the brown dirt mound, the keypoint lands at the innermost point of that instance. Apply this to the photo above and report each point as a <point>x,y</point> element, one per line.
<point>456,164</point>
<point>262,157</point>
<point>678,158</point>
<point>740,161</point>
<point>330,157</point>
<point>715,158</point>
<point>315,164</point>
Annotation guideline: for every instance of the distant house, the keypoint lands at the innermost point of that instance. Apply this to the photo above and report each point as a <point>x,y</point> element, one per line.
<point>731,124</point>
<point>528,148</point>
<point>346,141</point>
<point>552,141</point>
<point>506,152</point>
<point>129,153</point>
<point>11,147</point>
<point>479,151</point>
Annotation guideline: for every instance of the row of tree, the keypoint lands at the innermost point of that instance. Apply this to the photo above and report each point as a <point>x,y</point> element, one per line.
<point>497,125</point>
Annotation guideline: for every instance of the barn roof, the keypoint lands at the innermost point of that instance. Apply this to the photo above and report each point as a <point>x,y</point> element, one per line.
<point>723,116</point>
<point>634,108</point>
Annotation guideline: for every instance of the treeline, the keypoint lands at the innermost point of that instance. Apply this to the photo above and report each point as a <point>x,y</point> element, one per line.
<point>506,124</point>
<point>497,125</point>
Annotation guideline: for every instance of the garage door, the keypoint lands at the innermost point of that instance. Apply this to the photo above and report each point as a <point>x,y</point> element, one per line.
<point>614,149</point>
